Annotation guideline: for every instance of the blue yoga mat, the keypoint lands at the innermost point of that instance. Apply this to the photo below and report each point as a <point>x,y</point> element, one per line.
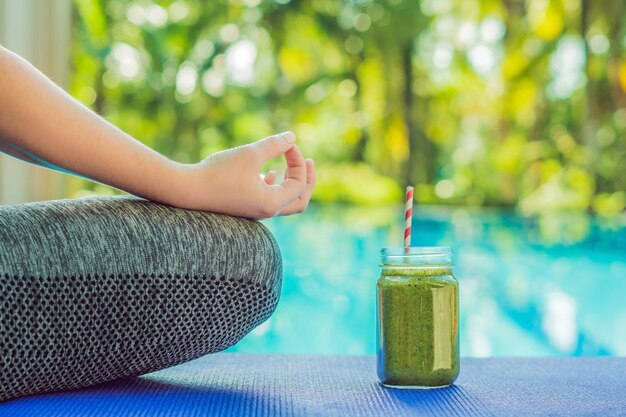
<point>236,384</point>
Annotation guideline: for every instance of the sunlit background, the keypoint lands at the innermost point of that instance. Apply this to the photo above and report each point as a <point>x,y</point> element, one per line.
<point>508,116</point>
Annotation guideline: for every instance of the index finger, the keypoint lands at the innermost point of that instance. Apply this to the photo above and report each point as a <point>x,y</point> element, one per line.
<point>296,165</point>
<point>295,178</point>
<point>273,146</point>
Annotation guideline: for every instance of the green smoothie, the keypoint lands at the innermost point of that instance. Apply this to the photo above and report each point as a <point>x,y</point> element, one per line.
<point>417,326</point>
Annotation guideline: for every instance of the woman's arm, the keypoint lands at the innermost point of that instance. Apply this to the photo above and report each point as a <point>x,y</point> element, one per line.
<point>42,124</point>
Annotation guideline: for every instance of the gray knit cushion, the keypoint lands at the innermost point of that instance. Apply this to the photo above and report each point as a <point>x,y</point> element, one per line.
<point>101,288</point>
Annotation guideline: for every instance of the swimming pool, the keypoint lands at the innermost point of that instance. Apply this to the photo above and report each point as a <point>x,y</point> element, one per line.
<point>554,286</point>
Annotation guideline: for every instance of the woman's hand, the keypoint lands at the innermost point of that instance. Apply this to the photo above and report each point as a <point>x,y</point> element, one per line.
<point>229,182</point>
<point>42,124</point>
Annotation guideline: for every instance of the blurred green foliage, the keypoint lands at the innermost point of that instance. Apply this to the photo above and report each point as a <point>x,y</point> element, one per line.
<point>476,102</point>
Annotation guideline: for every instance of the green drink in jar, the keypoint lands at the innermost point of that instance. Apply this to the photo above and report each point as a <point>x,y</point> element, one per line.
<point>418,316</point>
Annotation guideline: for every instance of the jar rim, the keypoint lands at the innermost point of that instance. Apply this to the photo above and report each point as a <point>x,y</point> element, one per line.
<point>416,250</point>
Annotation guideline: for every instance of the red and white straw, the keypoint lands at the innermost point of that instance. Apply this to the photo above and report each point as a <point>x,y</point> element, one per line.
<point>408,217</point>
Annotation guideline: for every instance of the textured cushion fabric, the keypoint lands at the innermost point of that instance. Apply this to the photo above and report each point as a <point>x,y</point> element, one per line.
<point>236,384</point>
<point>101,288</point>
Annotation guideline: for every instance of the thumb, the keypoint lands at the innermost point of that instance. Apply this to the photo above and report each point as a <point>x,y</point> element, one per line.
<point>276,145</point>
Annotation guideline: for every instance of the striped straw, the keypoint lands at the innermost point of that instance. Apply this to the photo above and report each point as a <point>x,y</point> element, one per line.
<point>408,217</point>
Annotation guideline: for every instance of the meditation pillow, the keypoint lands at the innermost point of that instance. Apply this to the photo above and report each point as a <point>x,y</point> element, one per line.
<point>97,289</point>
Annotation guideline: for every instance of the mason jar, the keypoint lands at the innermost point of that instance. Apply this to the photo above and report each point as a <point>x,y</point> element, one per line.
<point>418,318</point>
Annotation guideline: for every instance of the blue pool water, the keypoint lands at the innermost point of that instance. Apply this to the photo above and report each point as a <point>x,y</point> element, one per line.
<point>528,287</point>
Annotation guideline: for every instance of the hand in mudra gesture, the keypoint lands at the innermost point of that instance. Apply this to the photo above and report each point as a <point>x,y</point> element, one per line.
<point>230,182</point>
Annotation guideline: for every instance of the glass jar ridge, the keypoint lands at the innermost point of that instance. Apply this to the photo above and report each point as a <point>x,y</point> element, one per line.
<point>425,256</point>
